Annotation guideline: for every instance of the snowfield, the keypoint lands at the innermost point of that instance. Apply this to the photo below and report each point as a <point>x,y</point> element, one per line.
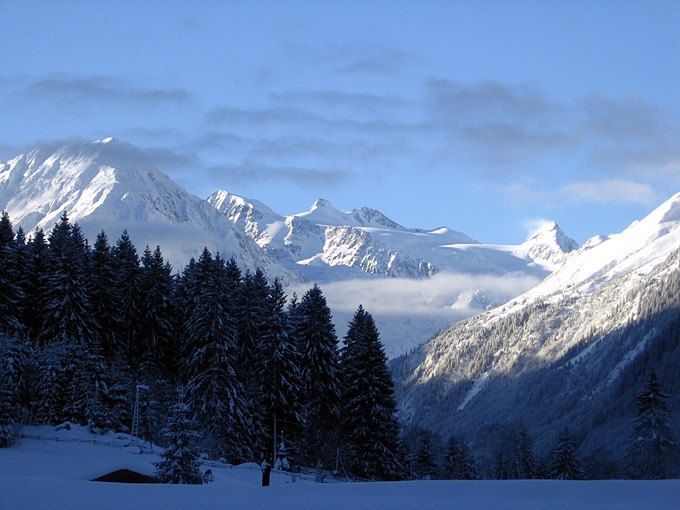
<point>53,474</point>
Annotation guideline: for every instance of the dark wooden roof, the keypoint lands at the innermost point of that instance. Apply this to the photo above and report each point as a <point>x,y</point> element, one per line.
<point>126,476</point>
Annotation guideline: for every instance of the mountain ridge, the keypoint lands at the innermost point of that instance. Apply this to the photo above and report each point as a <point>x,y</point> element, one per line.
<point>573,351</point>
<point>110,185</point>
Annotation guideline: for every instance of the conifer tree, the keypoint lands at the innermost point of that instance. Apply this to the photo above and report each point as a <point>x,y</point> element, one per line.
<point>251,319</point>
<point>280,386</point>
<point>180,463</point>
<point>33,282</point>
<point>458,462</point>
<point>158,312</point>
<point>102,282</point>
<point>370,427</point>
<point>67,316</point>
<point>10,292</point>
<point>653,452</point>
<point>319,371</point>
<point>15,387</point>
<point>214,391</point>
<point>565,465</point>
<point>426,467</point>
<point>127,296</point>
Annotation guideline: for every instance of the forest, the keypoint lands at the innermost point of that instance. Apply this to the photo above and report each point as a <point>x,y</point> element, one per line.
<point>229,367</point>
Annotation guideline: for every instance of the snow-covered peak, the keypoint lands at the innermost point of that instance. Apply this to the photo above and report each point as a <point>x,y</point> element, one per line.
<point>110,184</point>
<point>323,213</point>
<point>636,251</point>
<point>371,217</point>
<point>549,245</point>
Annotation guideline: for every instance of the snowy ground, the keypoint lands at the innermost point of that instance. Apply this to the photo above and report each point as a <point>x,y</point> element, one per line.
<point>50,474</point>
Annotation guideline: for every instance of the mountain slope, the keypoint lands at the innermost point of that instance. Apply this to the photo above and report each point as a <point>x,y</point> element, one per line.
<point>573,351</point>
<point>110,185</point>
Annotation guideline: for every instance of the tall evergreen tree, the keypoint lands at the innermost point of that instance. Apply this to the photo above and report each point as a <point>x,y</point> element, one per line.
<point>251,319</point>
<point>653,452</point>
<point>214,391</point>
<point>33,280</point>
<point>127,297</point>
<point>158,312</point>
<point>426,466</point>
<point>319,371</point>
<point>180,464</point>
<point>458,462</point>
<point>10,292</point>
<point>565,465</point>
<point>370,427</point>
<point>67,315</point>
<point>280,384</point>
<point>102,282</point>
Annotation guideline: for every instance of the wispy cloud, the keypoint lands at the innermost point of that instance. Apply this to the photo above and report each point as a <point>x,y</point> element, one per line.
<point>336,100</point>
<point>300,176</point>
<point>103,90</point>
<point>610,191</point>
<point>350,58</point>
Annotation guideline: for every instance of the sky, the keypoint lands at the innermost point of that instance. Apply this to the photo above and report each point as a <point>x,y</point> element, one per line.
<point>488,117</point>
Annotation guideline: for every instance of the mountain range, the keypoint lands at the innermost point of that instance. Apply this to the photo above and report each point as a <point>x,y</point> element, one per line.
<point>572,352</point>
<point>361,256</point>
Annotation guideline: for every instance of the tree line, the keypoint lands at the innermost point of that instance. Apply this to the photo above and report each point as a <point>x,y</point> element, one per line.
<point>251,373</point>
<point>233,366</point>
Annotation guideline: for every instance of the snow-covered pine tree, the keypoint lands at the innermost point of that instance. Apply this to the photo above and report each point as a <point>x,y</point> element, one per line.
<point>319,371</point>
<point>158,314</point>
<point>16,378</point>
<point>369,424</point>
<point>458,462</point>
<point>280,388</point>
<point>653,452</point>
<point>127,298</point>
<point>527,464</point>
<point>10,292</point>
<point>67,315</point>
<point>180,463</point>
<point>33,278</point>
<point>426,466</point>
<point>251,317</point>
<point>101,281</point>
<point>214,392</point>
<point>564,464</point>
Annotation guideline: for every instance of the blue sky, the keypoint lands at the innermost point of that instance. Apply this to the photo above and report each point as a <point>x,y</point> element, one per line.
<point>486,117</point>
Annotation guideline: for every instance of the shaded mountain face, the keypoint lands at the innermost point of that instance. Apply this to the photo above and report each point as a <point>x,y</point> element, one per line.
<point>571,352</point>
<point>414,281</point>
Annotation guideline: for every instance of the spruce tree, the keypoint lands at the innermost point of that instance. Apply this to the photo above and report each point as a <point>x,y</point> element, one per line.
<point>102,282</point>
<point>426,467</point>
<point>33,280</point>
<point>280,385</point>
<point>180,464</point>
<point>251,318</point>
<point>67,315</point>
<point>127,298</point>
<point>214,392</point>
<point>10,292</point>
<point>653,452</point>
<point>565,465</point>
<point>158,313</point>
<point>458,462</point>
<point>319,371</point>
<point>370,427</point>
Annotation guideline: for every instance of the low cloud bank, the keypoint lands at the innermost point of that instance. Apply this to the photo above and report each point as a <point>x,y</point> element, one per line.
<point>409,311</point>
